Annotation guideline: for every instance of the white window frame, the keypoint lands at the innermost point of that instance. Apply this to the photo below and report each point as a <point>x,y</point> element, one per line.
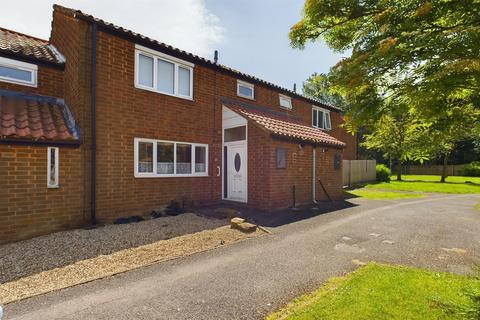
<point>57,167</point>
<point>161,56</point>
<point>154,174</point>
<point>19,65</point>
<point>325,114</point>
<point>248,85</point>
<point>286,98</point>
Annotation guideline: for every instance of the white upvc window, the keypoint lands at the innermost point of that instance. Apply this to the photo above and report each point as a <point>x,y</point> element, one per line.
<point>245,90</point>
<point>158,72</point>
<point>18,72</point>
<point>52,167</point>
<point>161,158</point>
<point>321,118</point>
<point>285,101</point>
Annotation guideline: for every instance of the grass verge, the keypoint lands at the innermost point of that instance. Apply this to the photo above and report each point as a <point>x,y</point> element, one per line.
<point>373,194</point>
<point>379,291</point>
<point>431,184</point>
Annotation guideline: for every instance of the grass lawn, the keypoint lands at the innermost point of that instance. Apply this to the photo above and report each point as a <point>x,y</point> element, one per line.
<point>379,291</point>
<point>374,194</point>
<point>422,183</point>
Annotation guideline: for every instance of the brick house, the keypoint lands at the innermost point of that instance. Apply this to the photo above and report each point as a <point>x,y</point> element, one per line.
<point>100,122</point>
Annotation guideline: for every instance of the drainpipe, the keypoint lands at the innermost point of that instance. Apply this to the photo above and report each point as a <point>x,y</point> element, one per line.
<point>314,178</point>
<point>93,111</point>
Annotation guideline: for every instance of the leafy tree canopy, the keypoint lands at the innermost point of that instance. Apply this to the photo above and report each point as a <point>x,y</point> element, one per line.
<point>319,87</point>
<point>426,51</point>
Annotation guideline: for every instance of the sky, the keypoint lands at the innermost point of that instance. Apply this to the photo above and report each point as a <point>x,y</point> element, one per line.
<point>250,35</point>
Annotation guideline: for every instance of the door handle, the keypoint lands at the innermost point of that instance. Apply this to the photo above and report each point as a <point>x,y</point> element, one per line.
<point>218,171</point>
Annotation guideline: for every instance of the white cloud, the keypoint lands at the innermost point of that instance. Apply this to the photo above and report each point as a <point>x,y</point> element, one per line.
<point>186,24</point>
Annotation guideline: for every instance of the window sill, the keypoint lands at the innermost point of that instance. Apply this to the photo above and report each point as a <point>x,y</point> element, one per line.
<point>245,97</point>
<point>163,93</point>
<point>20,83</point>
<point>138,175</point>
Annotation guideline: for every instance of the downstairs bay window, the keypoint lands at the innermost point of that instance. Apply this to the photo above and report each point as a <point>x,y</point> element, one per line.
<point>158,158</point>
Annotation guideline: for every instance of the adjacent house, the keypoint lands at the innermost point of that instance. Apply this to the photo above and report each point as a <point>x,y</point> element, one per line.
<point>100,122</point>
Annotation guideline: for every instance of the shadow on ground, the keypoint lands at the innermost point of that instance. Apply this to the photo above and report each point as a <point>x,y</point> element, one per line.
<point>281,217</point>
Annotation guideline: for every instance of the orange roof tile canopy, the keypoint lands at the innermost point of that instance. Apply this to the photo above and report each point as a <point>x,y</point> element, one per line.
<point>35,118</point>
<point>19,44</point>
<point>282,125</point>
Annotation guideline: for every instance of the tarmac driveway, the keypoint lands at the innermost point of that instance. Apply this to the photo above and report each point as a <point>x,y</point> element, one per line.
<point>250,279</point>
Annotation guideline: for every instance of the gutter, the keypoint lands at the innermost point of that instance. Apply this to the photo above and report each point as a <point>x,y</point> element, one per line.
<point>314,174</point>
<point>93,115</point>
<point>29,142</point>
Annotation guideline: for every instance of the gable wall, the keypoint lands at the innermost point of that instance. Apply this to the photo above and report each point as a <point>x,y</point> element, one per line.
<point>27,207</point>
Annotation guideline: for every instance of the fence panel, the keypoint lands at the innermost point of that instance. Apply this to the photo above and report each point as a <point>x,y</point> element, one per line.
<point>452,170</point>
<point>357,171</point>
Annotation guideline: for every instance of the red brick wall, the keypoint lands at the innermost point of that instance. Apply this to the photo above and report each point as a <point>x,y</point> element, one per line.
<point>73,39</point>
<point>125,112</point>
<point>49,79</point>
<point>259,166</point>
<point>326,173</point>
<point>298,173</point>
<point>27,207</point>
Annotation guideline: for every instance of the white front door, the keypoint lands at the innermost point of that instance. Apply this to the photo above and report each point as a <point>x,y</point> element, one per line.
<point>236,171</point>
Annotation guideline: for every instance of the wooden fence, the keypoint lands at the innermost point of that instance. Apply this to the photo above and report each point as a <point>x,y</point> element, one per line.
<point>357,171</point>
<point>452,170</point>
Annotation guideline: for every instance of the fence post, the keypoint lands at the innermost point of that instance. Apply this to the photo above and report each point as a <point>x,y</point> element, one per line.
<point>349,173</point>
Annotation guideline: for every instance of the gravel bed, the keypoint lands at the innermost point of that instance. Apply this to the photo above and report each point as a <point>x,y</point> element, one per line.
<point>118,262</point>
<point>55,250</point>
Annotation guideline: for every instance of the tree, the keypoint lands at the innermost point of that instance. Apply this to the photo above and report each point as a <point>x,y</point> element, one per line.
<point>400,136</point>
<point>426,50</point>
<point>320,88</point>
<point>448,128</point>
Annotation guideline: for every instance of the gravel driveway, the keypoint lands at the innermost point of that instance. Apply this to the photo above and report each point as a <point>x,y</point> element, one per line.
<point>248,280</point>
<point>55,250</point>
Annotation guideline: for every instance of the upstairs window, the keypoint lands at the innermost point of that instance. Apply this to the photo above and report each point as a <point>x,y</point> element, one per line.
<point>18,72</point>
<point>158,72</point>
<point>285,102</point>
<point>157,158</point>
<point>321,118</point>
<point>245,90</point>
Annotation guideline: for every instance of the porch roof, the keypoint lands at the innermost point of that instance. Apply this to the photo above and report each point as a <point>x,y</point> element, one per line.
<point>282,125</point>
<point>34,118</point>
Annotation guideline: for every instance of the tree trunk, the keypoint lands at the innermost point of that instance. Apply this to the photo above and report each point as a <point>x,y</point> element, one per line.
<point>399,171</point>
<point>444,168</point>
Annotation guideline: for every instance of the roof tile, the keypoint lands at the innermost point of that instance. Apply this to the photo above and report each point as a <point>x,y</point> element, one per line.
<point>20,44</point>
<point>34,117</point>
<point>283,125</point>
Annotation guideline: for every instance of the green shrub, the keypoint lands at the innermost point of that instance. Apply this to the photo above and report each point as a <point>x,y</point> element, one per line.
<point>383,173</point>
<point>471,169</point>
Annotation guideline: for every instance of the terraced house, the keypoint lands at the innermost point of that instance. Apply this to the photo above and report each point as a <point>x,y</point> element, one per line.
<point>100,122</point>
